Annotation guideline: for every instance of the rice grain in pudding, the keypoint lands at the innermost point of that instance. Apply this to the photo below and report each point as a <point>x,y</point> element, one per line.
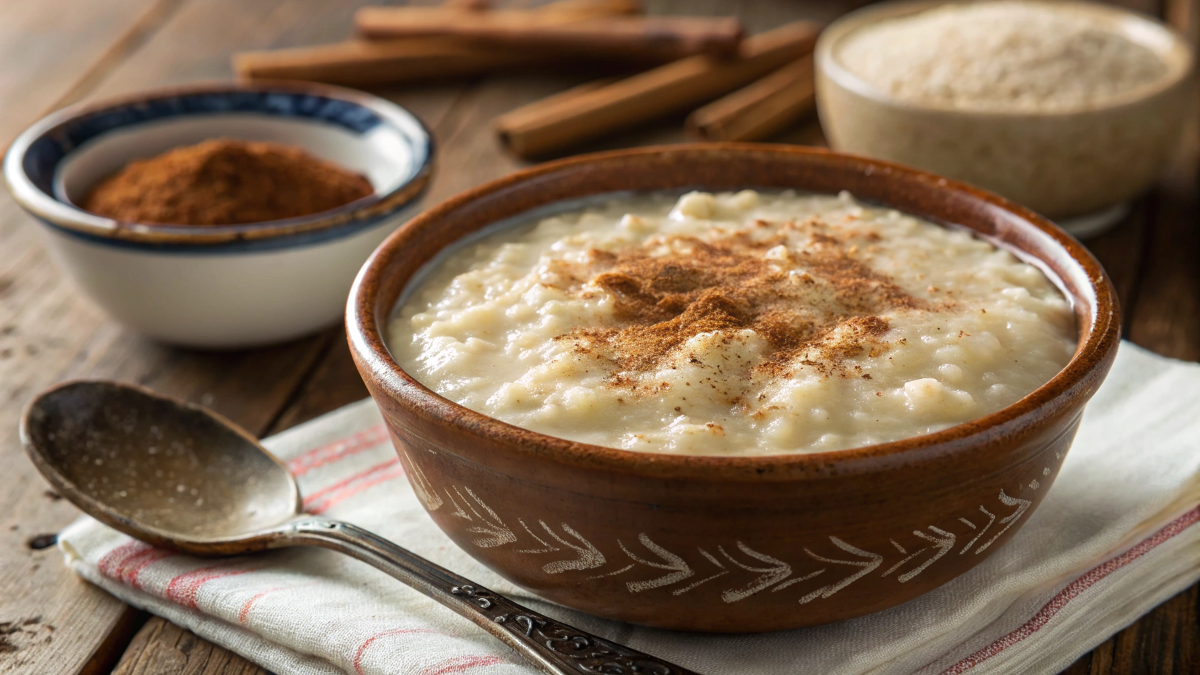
<point>733,324</point>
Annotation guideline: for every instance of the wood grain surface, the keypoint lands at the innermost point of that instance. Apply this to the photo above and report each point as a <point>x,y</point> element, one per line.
<point>60,51</point>
<point>162,647</point>
<point>52,51</point>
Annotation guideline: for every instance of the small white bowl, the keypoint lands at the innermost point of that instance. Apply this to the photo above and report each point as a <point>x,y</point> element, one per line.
<point>1065,164</point>
<point>220,286</point>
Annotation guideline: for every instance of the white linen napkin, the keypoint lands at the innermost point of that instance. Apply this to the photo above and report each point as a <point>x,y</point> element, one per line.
<point>1113,538</point>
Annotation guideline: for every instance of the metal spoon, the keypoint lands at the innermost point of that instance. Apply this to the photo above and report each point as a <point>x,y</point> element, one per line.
<point>180,476</point>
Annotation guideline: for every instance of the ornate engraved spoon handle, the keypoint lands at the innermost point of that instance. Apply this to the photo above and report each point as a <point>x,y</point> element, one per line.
<point>553,646</point>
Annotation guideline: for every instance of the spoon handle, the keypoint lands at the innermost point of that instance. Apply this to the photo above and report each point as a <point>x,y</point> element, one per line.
<point>554,647</point>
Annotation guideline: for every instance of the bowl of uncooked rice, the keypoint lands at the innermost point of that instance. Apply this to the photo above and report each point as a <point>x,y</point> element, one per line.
<point>1070,108</point>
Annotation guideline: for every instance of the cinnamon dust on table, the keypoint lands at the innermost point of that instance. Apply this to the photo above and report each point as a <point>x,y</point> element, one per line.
<point>225,182</point>
<point>816,305</point>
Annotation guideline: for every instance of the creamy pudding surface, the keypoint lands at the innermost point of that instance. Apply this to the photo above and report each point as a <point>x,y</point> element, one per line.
<point>733,324</point>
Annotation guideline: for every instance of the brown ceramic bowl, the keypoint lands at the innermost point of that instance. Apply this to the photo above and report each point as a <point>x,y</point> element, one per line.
<point>731,544</point>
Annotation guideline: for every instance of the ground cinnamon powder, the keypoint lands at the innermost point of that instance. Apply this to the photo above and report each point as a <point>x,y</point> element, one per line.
<point>225,182</point>
<point>816,305</point>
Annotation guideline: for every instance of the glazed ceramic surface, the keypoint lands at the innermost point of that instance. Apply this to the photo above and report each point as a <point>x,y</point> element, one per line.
<point>1062,164</point>
<point>220,286</point>
<point>744,543</point>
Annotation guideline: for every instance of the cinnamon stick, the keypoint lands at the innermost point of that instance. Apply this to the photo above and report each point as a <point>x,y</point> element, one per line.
<point>552,125</point>
<point>574,92</point>
<point>642,38</point>
<point>472,5</point>
<point>1184,16</point>
<point>608,7</point>
<point>423,20</point>
<point>359,63</point>
<point>362,63</point>
<point>758,110</point>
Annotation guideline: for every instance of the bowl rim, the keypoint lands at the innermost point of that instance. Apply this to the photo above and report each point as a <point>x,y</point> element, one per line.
<point>1179,67</point>
<point>384,376</point>
<point>68,216</point>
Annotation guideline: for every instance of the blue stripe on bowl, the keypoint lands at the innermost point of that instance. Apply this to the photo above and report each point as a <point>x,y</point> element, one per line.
<point>47,152</point>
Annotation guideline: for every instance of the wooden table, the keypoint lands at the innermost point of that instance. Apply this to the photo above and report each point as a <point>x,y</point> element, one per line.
<point>58,52</point>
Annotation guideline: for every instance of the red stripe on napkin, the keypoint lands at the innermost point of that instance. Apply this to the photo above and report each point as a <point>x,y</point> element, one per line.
<point>124,563</point>
<point>185,587</point>
<point>358,655</point>
<point>460,663</point>
<point>346,481</point>
<point>332,452</point>
<point>249,604</point>
<point>1073,590</point>
<point>321,500</point>
<point>119,554</point>
<point>244,613</point>
<point>131,576</point>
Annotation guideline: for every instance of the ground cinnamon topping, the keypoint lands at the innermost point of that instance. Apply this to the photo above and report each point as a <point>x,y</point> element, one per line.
<point>225,182</point>
<point>817,305</point>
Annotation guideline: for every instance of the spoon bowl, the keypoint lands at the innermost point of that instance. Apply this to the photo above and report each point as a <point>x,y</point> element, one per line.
<point>180,476</point>
<point>159,469</point>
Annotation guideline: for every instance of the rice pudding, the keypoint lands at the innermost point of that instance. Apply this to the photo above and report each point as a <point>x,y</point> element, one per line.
<point>733,324</point>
